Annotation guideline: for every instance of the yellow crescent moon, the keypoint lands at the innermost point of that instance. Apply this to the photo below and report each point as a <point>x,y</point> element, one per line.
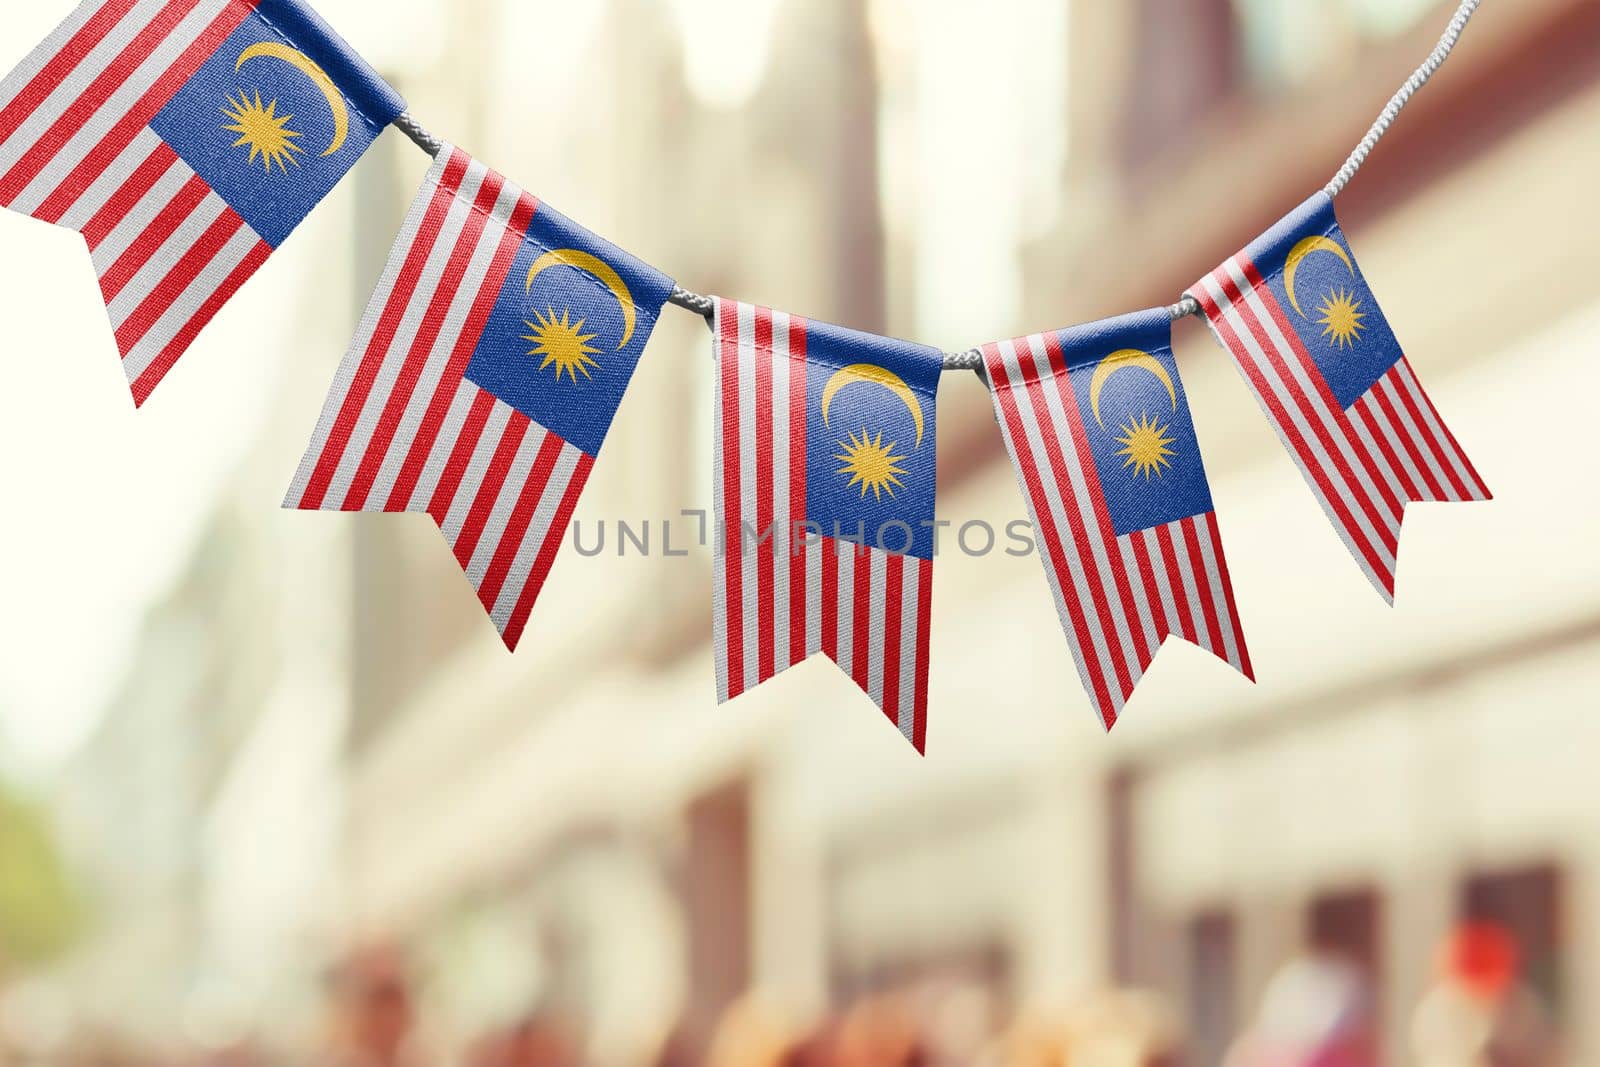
<point>1127,359</point>
<point>572,257</point>
<point>873,375</point>
<point>1304,249</point>
<point>303,63</point>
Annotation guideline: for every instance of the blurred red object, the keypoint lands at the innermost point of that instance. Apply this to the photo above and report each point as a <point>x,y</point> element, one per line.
<point>1483,959</point>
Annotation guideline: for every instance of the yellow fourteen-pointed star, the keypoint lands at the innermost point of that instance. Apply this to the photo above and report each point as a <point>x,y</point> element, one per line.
<point>263,130</point>
<point>563,344</point>
<point>1146,447</point>
<point>871,464</point>
<point>1341,318</point>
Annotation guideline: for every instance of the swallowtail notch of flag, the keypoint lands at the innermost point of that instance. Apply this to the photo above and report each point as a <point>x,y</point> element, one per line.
<point>1098,427</point>
<point>825,479</point>
<point>483,380</point>
<point>1305,330</point>
<point>185,140</point>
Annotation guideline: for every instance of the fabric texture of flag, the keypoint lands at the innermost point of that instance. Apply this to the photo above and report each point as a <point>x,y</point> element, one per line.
<point>1098,427</point>
<point>484,378</point>
<point>1306,331</point>
<point>184,139</point>
<point>825,488</point>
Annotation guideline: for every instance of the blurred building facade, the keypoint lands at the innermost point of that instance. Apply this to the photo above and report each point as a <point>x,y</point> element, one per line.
<point>321,745</point>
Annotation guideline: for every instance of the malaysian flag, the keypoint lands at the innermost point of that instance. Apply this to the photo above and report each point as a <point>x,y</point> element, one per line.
<point>1099,430</point>
<point>184,139</point>
<point>1310,339</point>
<point>484,378</point>
<point>825,472</point>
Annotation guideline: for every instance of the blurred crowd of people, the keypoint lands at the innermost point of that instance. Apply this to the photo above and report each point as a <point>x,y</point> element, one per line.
<point>1319,1011</point>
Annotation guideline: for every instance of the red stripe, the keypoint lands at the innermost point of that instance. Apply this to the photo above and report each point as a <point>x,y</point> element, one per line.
<point>894,591</point>
<point>177,211</point>
<point>1152,591</point>
<point>924,632</point>
<point>494,479</point>
<point>127,197</point>
<point>861,627</point>
<point>394,310</point>
<point>432,423</point>
<point>415,360</point>
<point>127,128</point>
<point>1188,626</point>
<point>94,96</point>
<point>830,598</point>
<point>547,552</point>
<point>732,533</point>
<point>158,367</point>
<point>1433,488</point>
<point>455,468</point>
<point>1455,446</point>
<point>1428,440</point>
<point>533,489</point>
<point>62,64</point>
<point>1033,482</point>
<point>1323,394</point>
<point>1081,533</point>
<point>1202,581</point>
<point>1274,402</point>
<point>170,289</point>
<point>799,593</point>
<point>1062,379</point>
<point>1364,408</point>
<point>767,457</point>
<point>1226,578</point>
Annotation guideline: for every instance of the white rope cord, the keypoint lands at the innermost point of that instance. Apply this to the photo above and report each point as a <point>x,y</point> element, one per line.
<point>972,359</point>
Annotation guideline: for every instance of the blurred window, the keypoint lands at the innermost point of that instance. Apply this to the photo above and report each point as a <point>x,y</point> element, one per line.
<point>1186,62</point>
<point>1526,903</point>
<point>1349,926</point>
<point>1289,41</point>
<point>1213,981</point>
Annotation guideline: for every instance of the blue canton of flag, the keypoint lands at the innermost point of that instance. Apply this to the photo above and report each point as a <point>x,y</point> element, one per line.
<point>1098,426</point>
<point>184,139</point>
<point>826,477</point>
<point>1305,330</point>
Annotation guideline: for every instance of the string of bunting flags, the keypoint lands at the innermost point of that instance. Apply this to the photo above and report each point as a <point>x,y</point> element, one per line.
<point>186,139</point>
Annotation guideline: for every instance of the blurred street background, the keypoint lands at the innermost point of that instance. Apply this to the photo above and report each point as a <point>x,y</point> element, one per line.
<point>272,792</point>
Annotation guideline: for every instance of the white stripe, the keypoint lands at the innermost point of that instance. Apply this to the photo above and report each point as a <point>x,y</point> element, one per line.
<point>443,447</point>
<point>1219,591</point>
<point>1158,567</point>
<point>460,307</point>
<point>355,354</point>
<point>1188,565</point>
<point>877,595</point>
<point>719,533</point>
<point>1366,491</point>
<point>175,247</point>
<point>35,62</point>
<point>845,606</point>
<point>126,97</point>
<point>393,357</point>
<point>1252,352</point>
<point>140,217</point>
<point>183,310</point>
<point>1406,378</point>
<point>1367,407</point>
<point>1069,544</point>
<point>71,88</point>
<point>107,184</point>
<point>505,503</point>
<point>910,633</point>
<point>477,468</point>
<point>1141,598</point>
<point>749,461</point>
<point>1058,498</point>
<point>813,595</point>
<point>1414,433</point>
<point>540,530</point>
<point>783,543</point>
